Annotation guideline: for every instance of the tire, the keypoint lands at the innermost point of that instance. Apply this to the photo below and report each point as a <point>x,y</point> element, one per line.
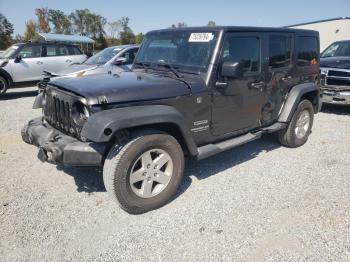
<point>122,161</point>
<point>297,132</point>
<point>3,85</point>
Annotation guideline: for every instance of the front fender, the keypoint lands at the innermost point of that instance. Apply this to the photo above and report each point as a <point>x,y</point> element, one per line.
<point>128,117</point>
<point>294,98</point>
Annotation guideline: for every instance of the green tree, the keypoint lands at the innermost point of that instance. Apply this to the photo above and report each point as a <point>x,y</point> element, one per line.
<point>138,38</point>
<point>86,23</point>
<point>60,21</point>
<point>31,30</point>
<point>101,42</point>
<point>43,19</point>
<point>211,23</point>
<point>114,29</point>
<point>6,30</point>
<point>127,37</point>
<point>179,25</point>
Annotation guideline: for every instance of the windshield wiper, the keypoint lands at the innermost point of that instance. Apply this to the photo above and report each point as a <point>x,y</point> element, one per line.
<point>143,65</point>
<point>171,68</point>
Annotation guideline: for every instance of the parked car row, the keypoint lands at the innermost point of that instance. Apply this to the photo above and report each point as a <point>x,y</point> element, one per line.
<point>137,111</point>
<point>25,63</point>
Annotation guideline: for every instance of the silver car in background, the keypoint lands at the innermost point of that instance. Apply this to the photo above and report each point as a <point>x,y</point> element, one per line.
<point>109,59</point>
<point>25,63</point>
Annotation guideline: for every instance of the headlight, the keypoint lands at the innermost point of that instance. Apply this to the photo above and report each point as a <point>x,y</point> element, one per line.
<point>80,113</point>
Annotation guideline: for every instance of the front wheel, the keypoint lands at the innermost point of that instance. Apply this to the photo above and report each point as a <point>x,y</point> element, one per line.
<point>144,173</point>
<point>299,128</point>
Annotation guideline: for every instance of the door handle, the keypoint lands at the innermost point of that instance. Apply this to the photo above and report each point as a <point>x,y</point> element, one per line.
<point>39,62</point>
<point>286,78</point>
<point>68,60</point>
<point>257,85</point>
<point>221,84</point>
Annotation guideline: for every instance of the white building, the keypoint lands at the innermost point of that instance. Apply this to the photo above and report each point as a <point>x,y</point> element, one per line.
<point>330,30</point>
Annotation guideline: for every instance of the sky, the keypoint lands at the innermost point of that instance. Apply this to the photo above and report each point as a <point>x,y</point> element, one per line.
<point>156,14</point>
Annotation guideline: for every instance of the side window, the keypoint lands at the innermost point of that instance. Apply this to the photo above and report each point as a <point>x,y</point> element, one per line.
<point>30,51</point>
<point>244,50</point>
<point>307,50</point>
<point>130,55</point>
<point>56,50</point>
<point>73,50</point>
<point>279,51</point>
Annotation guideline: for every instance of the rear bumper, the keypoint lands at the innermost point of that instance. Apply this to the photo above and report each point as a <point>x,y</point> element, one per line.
<point>56,147</point>
<point>334,96</point>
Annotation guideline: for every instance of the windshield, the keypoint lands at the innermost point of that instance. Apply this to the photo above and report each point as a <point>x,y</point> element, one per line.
<point>103,56</point>
<point>9,51</point>
<point>180,49</point>
<point>337,49</point>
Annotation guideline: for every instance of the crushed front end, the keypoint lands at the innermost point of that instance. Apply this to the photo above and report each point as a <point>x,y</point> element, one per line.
<point>57,133</point>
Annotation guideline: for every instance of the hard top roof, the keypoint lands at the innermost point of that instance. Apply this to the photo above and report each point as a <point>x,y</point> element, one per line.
<point>237,29</point>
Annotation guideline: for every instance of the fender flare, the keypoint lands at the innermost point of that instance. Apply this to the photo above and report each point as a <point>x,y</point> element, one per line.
<point>293,99</point>
<point>128,117</point>
<point>6,74</point>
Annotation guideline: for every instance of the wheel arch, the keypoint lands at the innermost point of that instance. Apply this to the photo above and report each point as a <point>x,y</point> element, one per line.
<point>105,126</point>
<point>309,91</point>
<point>7,76</point>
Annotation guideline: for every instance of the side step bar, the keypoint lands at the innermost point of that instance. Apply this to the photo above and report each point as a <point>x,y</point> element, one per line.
<point>212,149</point>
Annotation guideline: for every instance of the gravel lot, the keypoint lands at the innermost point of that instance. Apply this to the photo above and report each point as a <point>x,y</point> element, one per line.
<point>257,202</point>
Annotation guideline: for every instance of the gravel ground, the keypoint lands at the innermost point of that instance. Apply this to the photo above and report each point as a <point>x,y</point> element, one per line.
<point>258,202</point>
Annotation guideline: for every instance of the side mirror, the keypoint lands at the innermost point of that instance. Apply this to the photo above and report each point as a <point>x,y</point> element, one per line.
<point>120,61</point>
<point>18,59</point>
<point>231,69</point>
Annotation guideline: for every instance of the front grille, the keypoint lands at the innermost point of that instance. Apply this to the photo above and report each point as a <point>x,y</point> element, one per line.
<point>338,73</point>
<point>58,113</point>
<point>337,82</point>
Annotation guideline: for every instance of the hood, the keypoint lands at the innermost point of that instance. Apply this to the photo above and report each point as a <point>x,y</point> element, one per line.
<point>342,62</point>
<point>125,86</point>
<point>76,68</point>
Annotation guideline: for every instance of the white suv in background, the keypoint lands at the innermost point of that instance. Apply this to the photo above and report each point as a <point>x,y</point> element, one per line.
<point>24,63</point>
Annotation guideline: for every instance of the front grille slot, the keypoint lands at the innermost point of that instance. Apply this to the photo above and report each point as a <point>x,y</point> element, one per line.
<point>338,73</point>
<point>58,113</point>
<point>337,82</point>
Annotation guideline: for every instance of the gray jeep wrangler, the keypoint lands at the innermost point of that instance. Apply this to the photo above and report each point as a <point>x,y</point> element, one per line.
<point>191,91</point>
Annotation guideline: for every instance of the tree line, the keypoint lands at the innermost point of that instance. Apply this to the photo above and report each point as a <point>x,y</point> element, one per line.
<point>81,22</point>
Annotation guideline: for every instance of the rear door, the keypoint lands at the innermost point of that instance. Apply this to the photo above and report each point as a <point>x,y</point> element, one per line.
<point>75,55</point>
<point>57,58</point>
<point>281,75</point>
<point>237,102</point>
<point>30,67</point>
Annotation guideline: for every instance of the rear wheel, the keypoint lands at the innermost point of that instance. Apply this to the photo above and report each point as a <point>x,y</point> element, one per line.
<point>144,173</point>
<point>299,128</point>
<point>3,85</point>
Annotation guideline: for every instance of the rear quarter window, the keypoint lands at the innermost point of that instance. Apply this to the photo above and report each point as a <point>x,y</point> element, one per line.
<point>307,50</point>
<point>73,50</point>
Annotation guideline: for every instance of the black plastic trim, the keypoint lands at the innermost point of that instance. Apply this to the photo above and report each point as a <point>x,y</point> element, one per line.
<point>294,98</point>
<point>128,117</point>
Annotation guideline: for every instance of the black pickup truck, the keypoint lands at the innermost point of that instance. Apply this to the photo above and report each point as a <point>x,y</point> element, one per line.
<point>191,91</point>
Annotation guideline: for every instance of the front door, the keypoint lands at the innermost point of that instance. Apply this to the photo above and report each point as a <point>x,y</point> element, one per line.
<point>237,102</point>
<point>30,67</point>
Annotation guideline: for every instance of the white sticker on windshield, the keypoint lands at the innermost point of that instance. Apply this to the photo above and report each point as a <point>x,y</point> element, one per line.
<point>201,37</point>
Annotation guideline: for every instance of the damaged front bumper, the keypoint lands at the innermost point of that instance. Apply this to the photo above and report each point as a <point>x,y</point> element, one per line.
<point>56,147</point>
<point>336,96</point>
